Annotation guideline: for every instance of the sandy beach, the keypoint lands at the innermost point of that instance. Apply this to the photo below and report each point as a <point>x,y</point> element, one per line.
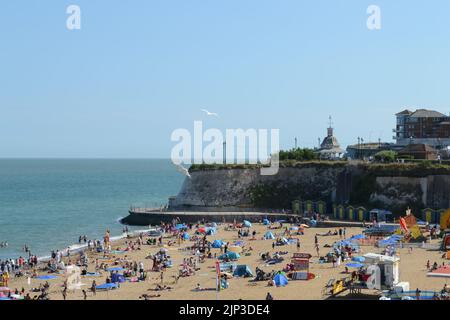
<point>412,269</point>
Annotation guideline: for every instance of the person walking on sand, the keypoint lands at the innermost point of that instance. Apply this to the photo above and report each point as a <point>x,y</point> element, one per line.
<point>162,277</point>
<point>94,287</point>
<point>298,245</point>
<point>64,293</point>
<point>317,249</point>
<point>418,294</point>
<point>269,296</point>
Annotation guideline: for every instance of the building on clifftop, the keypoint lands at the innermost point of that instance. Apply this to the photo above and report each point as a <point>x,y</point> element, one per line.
<point>330,148</point>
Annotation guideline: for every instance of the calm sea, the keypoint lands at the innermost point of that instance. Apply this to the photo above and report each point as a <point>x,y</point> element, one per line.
<point>47,204</point>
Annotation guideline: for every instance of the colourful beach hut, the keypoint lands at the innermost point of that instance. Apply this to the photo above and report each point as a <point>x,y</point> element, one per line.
<point>335,211</point>
<point>361,214</point>
<point>321,207</point>
<point>351,213</point>
<point>341,212</point>
<point>309,206</point>
<point>428,215</point>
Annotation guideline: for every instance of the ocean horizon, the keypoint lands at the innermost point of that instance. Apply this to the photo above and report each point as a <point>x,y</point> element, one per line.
<point>47,203</point>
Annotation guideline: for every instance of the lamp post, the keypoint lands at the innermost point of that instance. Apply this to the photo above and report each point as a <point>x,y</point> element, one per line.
<point>224,152</point>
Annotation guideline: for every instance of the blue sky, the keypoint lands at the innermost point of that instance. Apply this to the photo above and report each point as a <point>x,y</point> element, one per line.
<point>139,69</point>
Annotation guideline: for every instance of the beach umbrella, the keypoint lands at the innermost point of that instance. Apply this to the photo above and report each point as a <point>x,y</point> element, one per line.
<point>247,224</point>
<point>354,265</point>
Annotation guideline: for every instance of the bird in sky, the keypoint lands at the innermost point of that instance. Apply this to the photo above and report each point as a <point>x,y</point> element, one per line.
<point>183,170</point>
<point>210,113</point>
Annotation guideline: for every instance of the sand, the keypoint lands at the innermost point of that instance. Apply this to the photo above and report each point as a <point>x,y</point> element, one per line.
<point>412,270</point>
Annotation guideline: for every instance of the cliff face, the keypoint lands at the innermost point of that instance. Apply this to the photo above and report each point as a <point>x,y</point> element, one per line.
<point>244,188</point>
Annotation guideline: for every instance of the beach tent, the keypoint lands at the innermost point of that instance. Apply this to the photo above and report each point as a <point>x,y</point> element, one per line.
<point>269,235</point>
<point>280,280</point>
<point>358,236</point>
<point>242,271</point>
<point>202,230</point>
<point>107,286</point>
<point>186,236</point>
<point>212,225</point>
<point>217,243</point>
<point>247,224</point>
<point>235,249</point>
<point>210,231</point>
<point>266,222</point>
<point>115,277</point>
<point>230,255</point>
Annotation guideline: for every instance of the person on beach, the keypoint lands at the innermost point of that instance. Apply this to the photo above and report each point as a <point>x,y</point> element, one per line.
<point>269,296</point>
<point>84,294</point>
<point>64,292</point>
<point>94,287</point>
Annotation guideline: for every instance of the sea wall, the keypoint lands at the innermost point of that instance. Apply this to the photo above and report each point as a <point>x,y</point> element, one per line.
<point>238,189</point>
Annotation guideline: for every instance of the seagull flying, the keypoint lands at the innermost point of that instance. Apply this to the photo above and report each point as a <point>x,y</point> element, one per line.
<point>183,170</point>
<point>210,113</point>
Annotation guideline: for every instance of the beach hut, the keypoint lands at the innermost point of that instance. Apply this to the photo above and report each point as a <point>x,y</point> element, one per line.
<point>321,207</point>
<point>246,224</point>
<point>362,214</point>
<point>217,243</point>
<point>351,213</point>
<point>243,271</point>
<point>280,280</point>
